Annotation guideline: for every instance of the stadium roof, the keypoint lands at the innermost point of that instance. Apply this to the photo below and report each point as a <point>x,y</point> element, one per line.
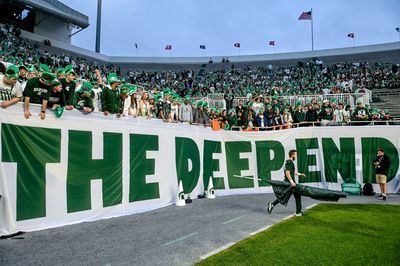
<point>58,9</point>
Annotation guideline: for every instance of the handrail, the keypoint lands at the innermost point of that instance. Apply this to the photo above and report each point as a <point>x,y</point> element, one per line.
<point>315,123</point>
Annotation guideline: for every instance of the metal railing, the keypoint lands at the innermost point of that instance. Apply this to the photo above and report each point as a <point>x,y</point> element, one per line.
<point>318,124</point>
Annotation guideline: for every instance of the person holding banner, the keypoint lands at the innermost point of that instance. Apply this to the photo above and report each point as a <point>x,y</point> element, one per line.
<point>289,173</point>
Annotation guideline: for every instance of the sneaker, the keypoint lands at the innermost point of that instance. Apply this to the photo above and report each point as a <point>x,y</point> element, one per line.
<point>270,207</point>
<point>384,197</point>
<point>380,196</point>
<point>299,214</point>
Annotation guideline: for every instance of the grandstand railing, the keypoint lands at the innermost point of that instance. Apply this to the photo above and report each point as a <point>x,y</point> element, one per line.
<point>392,122</point>
<point>217,99</point>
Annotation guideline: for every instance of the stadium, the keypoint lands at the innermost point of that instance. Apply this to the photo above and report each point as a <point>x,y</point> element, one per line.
<point>181,160</point>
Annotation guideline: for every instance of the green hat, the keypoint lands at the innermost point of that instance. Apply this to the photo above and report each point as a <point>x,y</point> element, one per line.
<point>44,68</point>
<point>132,89</point>
<point>56,83</point>
<point>60,70</point>
<point>86,87</point>
<point>359,102</point>
<point>32,69</point>
<point>232,110</point>
<point>298,103</point>
<point>112,77</point>
<point>12,72</point>
<point>199,103</point>
<point>205,105</point>
<point>167,91</point>
<point>48,78</point>
<point>69,70</point>
<point>124,88</point>
<point>386,111</point>
<point>59,111</point>
<point>269,106</point>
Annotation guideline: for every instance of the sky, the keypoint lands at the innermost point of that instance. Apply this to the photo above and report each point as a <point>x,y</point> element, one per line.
<point>218,24</point>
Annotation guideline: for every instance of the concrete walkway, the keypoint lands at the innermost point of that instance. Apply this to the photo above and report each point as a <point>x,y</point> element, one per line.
<point>167,236</point>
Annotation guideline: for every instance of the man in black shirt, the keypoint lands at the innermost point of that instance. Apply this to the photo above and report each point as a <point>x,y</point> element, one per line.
<point>382,164</point>
<point>56,98</point>
<point>37,91</point>
<point>68,87</point>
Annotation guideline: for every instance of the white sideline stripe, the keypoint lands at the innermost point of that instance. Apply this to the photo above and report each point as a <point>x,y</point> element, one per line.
<point>287,217</point>
<point>260,230</point>
<point>234,219</point>
<point>180,239</point>
<point>311,206</point>
<point>218,250</point>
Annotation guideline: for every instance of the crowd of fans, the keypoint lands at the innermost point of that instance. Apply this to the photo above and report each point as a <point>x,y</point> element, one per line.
<point>62,82</point>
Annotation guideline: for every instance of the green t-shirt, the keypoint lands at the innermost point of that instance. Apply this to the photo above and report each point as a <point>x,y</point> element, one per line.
<point>81,101</point>
<point>111,100</point>
<point>289,166</point>
<point>360,111</point>
<point>37,91</point>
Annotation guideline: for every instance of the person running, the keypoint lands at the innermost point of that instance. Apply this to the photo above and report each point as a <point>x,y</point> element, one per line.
<point>289,173</point>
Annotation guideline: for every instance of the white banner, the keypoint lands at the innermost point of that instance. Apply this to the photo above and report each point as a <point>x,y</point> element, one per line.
<point>78,168</point>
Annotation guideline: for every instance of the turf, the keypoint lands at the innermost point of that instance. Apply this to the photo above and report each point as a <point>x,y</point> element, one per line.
<point>329,234</point>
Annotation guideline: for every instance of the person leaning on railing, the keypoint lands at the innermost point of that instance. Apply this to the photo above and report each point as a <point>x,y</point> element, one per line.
<point>10,87</point>
<point>360,114</point>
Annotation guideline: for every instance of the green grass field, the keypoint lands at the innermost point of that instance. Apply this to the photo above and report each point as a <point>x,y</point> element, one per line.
<point>329,234</point>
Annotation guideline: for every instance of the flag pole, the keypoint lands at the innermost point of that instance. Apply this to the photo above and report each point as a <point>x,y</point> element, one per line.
<point>312,31</point>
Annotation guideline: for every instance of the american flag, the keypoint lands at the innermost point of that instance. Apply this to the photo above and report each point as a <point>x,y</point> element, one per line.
<point>272,43</point>
<point>350,35</point>
<point>237,45</point>
<point>168,47</point>
<point>306,15</point>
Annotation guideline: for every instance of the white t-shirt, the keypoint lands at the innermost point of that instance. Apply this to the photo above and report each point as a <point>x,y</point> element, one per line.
<point>340,115</point>
<point>8,92</point>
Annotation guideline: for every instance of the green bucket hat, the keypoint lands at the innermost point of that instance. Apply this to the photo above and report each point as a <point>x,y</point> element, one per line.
<point>124,88</point>
<point>32,69</point>
<point>44,68</point>
<point>12,72</point>
<point>48,78</point>
<point>86,87</point>
<point>132,89</point>
<point>60,71</point>
<point>112,77</point>
<point>56,83</point>
<point>69,70</point>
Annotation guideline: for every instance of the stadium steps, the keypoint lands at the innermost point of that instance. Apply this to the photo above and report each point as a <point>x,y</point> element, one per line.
<point>387,99</point>
<point>201,73</point>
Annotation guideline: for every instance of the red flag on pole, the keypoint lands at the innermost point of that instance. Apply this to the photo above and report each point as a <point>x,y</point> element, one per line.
<point>306,15</point>
<point>272,43</point>
<point>237,45</point>
<point>168,47</point>
<point>350,35</point>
